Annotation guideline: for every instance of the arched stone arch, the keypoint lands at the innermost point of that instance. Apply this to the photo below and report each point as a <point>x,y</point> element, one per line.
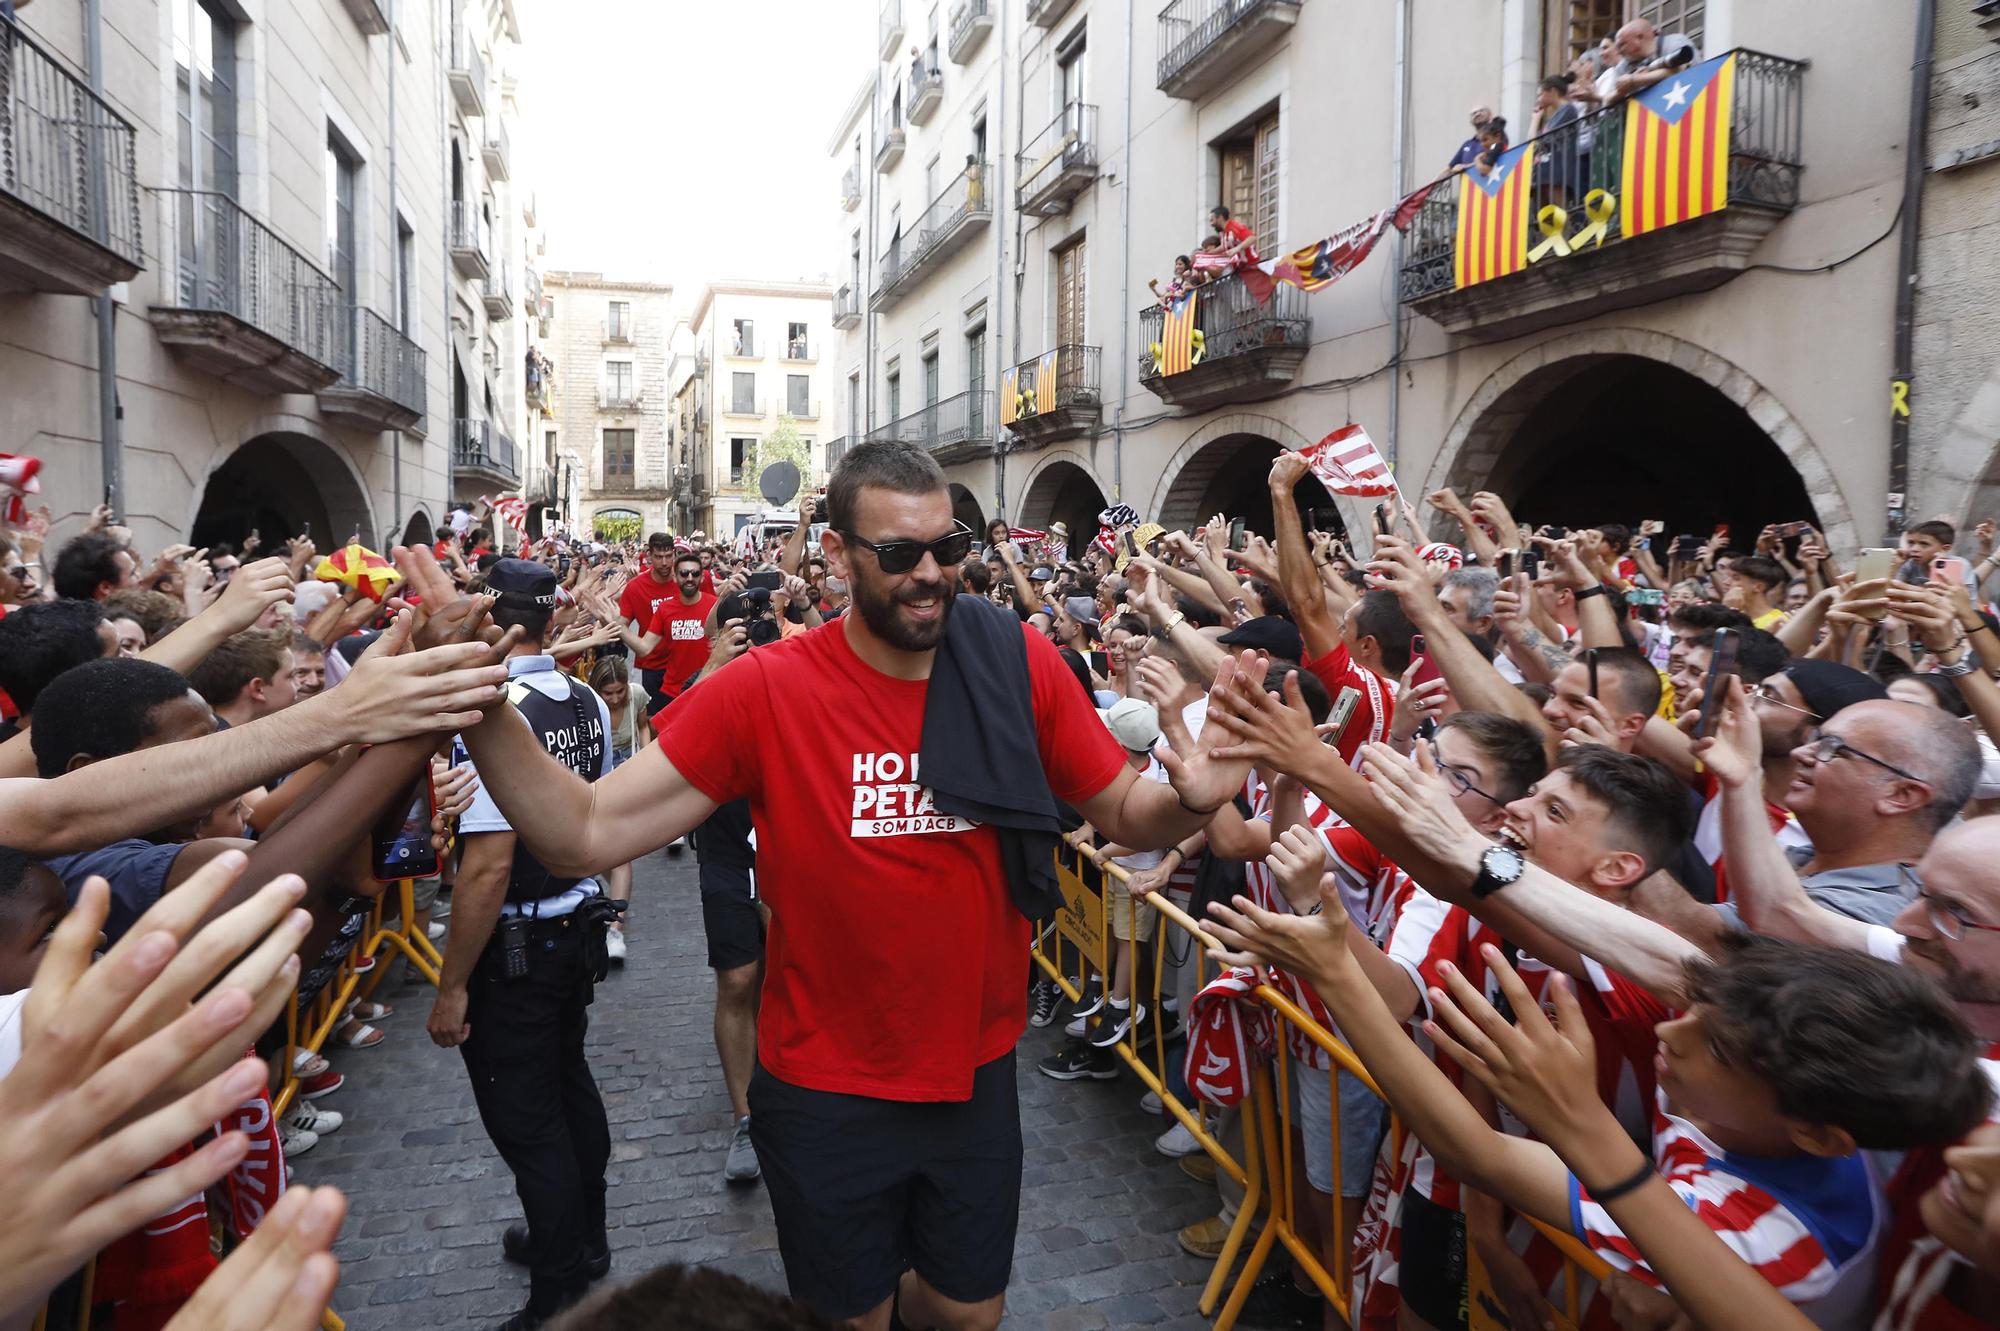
<point>1492,416</point>
<point>965,507</point>
<point>1191,476</point>
<point>285,472</point>
<point>419,529</point>
<point>1042,485</point>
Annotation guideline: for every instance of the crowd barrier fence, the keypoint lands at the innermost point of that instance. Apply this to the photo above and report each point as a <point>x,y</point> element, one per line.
<point>1078,943</point>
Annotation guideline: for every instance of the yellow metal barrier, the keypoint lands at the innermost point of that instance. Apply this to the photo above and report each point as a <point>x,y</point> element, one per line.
<point>1266,1171</point>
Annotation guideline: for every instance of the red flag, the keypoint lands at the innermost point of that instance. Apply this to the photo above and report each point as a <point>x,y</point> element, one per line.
<point>1348,463</point>
<point>1327,261</point>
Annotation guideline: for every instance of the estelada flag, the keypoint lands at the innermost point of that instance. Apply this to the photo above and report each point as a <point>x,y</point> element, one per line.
<point>1493,218</point>
<point>1010,387</point>
<point>1328,260</point>
<point>355,565</point>
<point>1677,147</point>
<point>1177,335</point>
<point>1348,463</point>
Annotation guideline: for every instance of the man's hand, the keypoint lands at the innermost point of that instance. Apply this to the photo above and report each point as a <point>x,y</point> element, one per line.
<point>1571,569</point>
<point>1313,947</point>
<point>1159,681</point>
<point>1287,470</point>
<point>447,1025</point>
<point>1492,510</point>
<point>1595,726</point>
<point>1929,612</point>
<point>1420,801</point>
<point>1297,860</point>
<point>1148,881</point>
<point>281,1277</point>
<point>255,588</point>
<point>731,641</point>
<point>1259,728</point>
<point>1415,704</point>
<point>1209,778</point>
<point>452,788</point>
<point>390,695</point>
<point>1637,1306</point>
<point>1396,568</point>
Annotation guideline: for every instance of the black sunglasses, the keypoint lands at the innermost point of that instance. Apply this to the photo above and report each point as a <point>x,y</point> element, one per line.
<point>902,556</point>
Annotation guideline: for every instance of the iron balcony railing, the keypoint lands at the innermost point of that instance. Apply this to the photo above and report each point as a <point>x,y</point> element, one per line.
<point>850,187</point>
<point>803,408</point>
<point>963,15</point>
<point>964,418</point>
<point>497,141</point>
<point>964,197</point>
<point>746,406</point>
<point>836,449</point>
<point>477,444</point>
<point>376,358</point>
<point>846,304</point>
<point>531,291</point>
<point>924,75</point>
<point>1766,130</point>
<point>1190,27</point>
<point>1068,143</point>
<point>1076,380</point>
<point>1231,322</point>
<point>798,349</point>
<point>499,289</point>
<point>616,397</point>
<point>228,262</point>
<point>892,23</point>
<point>465,58</point>
<point>468,228</point>
<point>63,151</point>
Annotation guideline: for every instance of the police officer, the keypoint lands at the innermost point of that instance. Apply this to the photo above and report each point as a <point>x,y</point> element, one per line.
<point>524,950</point>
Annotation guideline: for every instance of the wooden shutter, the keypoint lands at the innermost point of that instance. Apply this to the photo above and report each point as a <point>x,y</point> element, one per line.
<point>1070,294</point>
<point>1263,216</point>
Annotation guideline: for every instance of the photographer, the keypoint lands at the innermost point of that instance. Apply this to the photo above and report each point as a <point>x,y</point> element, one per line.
<point>1649,56</point>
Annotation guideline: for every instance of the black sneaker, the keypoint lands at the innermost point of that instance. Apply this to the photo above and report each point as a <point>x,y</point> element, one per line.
<point>1078,1061</point>
<point>1042,1005</point>
<point>1115,1021</point>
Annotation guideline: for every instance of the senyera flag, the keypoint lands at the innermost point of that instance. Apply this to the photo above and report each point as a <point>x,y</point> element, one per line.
<point>1348,463</point>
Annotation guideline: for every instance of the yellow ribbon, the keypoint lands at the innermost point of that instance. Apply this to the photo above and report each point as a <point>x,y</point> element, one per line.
<point>1552,220</point>
<point>1899,398</point>
<point>1198,347</point>
<point>1024,404</point>
<point>1600,206</point>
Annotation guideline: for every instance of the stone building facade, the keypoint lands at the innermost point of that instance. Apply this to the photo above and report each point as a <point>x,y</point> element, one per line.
<point>610,342</point>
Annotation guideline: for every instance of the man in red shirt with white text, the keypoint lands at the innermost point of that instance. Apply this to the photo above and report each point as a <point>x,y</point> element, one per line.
<point>636,604</point>
<point>884,1109</point>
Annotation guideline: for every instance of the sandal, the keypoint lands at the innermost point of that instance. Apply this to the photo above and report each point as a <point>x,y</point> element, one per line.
<point>305,1063</point>
<point>360,1036</point>
<point>365,1012</point>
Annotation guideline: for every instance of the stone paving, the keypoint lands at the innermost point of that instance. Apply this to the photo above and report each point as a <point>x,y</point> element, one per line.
<point>428,1196</point>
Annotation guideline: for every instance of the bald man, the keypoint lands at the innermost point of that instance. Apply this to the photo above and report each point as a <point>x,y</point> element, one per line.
<point>1647,56</point>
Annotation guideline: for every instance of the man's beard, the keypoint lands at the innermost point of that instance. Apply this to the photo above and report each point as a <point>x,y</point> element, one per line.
<point>878,609</point>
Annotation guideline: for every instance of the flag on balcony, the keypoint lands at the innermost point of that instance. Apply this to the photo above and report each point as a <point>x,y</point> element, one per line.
<point>1010,388</point>
<point>1045,380</point>
<point>1677,147</point>
<point>1348,463</point>
<point>1493,218</point>
<point>1175,352</point>
<point>1324,262</point>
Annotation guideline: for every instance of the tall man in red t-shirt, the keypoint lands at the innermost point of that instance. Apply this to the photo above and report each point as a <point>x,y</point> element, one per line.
<point>883,1109</point>
<point>675,635</point>
<point>636,604</point>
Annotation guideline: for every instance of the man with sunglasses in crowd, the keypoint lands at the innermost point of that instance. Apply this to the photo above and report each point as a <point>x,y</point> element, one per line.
<point>883,1109</point>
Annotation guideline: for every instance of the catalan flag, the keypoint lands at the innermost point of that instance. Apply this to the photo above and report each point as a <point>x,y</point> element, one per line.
<point>1493,217</point>
<point>1176,353</point>
<point>1009,386</point>
<point>1045,380</point>
<point>1677,147</point>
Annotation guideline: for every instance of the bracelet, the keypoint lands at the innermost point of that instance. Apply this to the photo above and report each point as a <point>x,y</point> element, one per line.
<point>1964,665</point>
<point>1645,1174</point>
<point>1974,628</point>
<point>1165,632</point>
<point>1599,590</point>
<point>1203,813</point>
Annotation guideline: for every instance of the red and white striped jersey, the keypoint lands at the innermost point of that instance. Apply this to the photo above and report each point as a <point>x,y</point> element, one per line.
<point>1708,832</point>
<point>1370,722</point>
<point>1807,1224</point>
<point>1257,876</point>
<point>1371,885</point>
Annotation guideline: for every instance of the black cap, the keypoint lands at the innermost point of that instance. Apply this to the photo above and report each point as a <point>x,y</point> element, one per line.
<point>1828,686</point>
<point>522,582</point>
<point>1268,633</point>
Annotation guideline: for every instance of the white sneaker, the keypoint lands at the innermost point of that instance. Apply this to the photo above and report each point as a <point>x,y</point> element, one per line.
<point>614,944</point>
<point>435,930</point>
<point>313,1121</point>
<point>296,1142</point>
<point>1176,1142</point>
<point>1149,1103</point>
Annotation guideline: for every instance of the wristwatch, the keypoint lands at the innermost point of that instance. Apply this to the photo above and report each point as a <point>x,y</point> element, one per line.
<point>1165,632</point>
<point>1499,866</point>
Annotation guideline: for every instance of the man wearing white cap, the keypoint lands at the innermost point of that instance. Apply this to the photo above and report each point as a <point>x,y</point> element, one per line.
<point>1135,724</point>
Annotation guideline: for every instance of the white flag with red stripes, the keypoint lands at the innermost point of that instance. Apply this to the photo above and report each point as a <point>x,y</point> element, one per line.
<point>512,510</point>
<point>1348,463</point>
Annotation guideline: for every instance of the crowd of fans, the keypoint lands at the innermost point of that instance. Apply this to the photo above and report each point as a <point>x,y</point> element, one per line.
<point>1692,821</point>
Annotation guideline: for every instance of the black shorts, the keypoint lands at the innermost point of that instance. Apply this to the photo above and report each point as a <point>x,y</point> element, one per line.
<point>866,1189</point>
<point>1431,1270</point>
<point>730,917</point>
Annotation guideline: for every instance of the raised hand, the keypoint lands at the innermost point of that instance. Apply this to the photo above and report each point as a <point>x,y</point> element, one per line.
<point>397,694</point>
<point>1287,470</point>
<point>1313,947</point>
<point>1419,799</point>
<point>1732,755</point>
<point>281,1277</point>
<point>255,588</point>
<point>1297,860</point>
<point>1257,727</point>
<point>1208,778</point>
<point>452,788</point>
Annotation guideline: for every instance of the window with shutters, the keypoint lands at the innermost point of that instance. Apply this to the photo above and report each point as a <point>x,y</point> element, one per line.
<point>1686,17</point>
<point>975,377</point>
<point>1070,293</point>
<point>798,393</point>
<point>620,458</point>
<point>743,392</point>
<point>931,384</point>
<point>1571,27</point>
<point>1250,178</point>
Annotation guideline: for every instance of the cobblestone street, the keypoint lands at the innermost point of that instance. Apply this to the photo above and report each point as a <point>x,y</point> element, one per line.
<point>428,1196</point>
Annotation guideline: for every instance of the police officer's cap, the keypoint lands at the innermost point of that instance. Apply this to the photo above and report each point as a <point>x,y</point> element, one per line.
<point>522,582</point>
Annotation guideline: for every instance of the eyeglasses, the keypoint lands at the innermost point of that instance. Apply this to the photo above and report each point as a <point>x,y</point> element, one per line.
<point>1764,693</point>
<point>902,556</point>
<point>1828,747</point>
<point>1461,784</point>
<point>20,573</point>
<point>1947,917</point>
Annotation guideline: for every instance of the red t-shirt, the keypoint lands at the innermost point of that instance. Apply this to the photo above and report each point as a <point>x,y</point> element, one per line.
<point>1377,708</point>
<point>894,963</point>
<point>641,597</point>
<point>683,643</point>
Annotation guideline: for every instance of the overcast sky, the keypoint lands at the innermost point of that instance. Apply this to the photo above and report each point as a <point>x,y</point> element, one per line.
<point>684,140</point>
